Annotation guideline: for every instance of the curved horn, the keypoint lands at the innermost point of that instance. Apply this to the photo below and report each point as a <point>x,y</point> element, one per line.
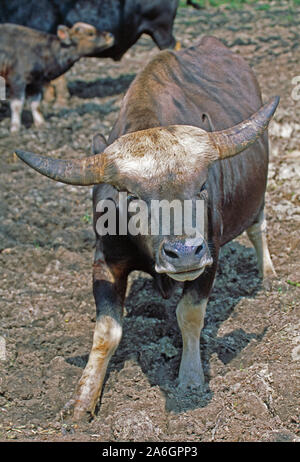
<point>235,139</point>
<point>83,172</point>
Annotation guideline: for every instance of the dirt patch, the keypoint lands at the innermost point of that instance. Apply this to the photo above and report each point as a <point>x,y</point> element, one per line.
<point>251,339</point>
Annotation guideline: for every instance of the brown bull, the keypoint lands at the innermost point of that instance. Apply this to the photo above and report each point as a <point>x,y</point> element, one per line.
<point>191,126</point>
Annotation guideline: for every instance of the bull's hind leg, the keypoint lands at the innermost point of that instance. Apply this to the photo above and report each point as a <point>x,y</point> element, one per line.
<point>109,291</point>
<point>257,235</point>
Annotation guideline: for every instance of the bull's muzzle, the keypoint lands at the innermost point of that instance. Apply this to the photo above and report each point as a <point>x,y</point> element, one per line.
<point>183,259</point>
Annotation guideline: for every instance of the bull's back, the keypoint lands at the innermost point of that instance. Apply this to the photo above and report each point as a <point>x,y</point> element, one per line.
<point>178,87</point>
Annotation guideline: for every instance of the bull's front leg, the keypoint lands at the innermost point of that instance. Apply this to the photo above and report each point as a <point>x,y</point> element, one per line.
<point>109,286</point>
<point>190,317</point>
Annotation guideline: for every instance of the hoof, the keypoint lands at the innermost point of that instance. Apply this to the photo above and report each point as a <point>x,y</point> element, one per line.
<point>14,129</point>
<point>269,281</point>
<point>67,412</point>
<point>267,284</point>
<point>39,124</point>
<point>191,383</point>
<point>73,411</point>
<point>193,386</point>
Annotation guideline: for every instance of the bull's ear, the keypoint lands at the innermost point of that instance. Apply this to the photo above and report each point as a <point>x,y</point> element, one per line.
<point>63,33</point>
<point>235,139</point>
<point>99,144</point>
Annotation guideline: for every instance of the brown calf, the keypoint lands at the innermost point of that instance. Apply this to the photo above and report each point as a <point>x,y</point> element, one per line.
<point>29,59</point>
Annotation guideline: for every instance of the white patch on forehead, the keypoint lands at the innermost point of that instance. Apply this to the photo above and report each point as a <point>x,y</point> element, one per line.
<point>143,167</point>
<point>154,152</point>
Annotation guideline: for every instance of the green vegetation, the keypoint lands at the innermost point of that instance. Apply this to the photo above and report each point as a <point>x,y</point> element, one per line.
<point>237,3</point>
<point>86,218</point>
<point>293,283</point>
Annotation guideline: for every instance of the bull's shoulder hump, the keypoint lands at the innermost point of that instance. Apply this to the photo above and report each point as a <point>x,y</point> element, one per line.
<point>211,41</point>
<point>160,67</point>
<point>207,45</point>
<point>162,58</point>
<point>212,47</point>
<point>210,55</point>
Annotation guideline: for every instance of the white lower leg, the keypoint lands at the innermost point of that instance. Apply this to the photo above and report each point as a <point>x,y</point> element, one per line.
<point>16,106</point>
<point>190,317</point>
<point>38,119</point>
<point>107,336</point>
<point>258,236</point>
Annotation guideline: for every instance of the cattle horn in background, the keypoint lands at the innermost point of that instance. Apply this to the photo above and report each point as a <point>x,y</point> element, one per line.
<point>97,169</point>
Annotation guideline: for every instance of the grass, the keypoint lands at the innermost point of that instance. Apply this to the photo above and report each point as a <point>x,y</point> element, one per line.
<point>293,283</point>
<point>233,3</point>
<point>86,218</point>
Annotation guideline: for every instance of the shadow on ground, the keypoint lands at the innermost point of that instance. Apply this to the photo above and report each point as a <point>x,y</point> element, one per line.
<point>101,87</point>
<point>237,278</point>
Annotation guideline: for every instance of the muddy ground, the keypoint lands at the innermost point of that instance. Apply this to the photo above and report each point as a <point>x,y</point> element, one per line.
<point>251,340</point>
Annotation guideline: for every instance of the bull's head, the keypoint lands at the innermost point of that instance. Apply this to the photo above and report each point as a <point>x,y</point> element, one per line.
<point>163,163</point>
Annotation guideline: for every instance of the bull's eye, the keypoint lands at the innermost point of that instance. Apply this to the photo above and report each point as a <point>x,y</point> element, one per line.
<point>132,197</point>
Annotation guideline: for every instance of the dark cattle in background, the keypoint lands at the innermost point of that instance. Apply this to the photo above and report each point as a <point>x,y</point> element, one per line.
<point>193,4</point>
<point>180,139</point>
<point>30,58</point>
<point>127,20</point>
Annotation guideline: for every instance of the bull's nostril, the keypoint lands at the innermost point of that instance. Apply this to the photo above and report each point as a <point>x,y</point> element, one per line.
<point>170,254</point>
<point>199,249</point>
